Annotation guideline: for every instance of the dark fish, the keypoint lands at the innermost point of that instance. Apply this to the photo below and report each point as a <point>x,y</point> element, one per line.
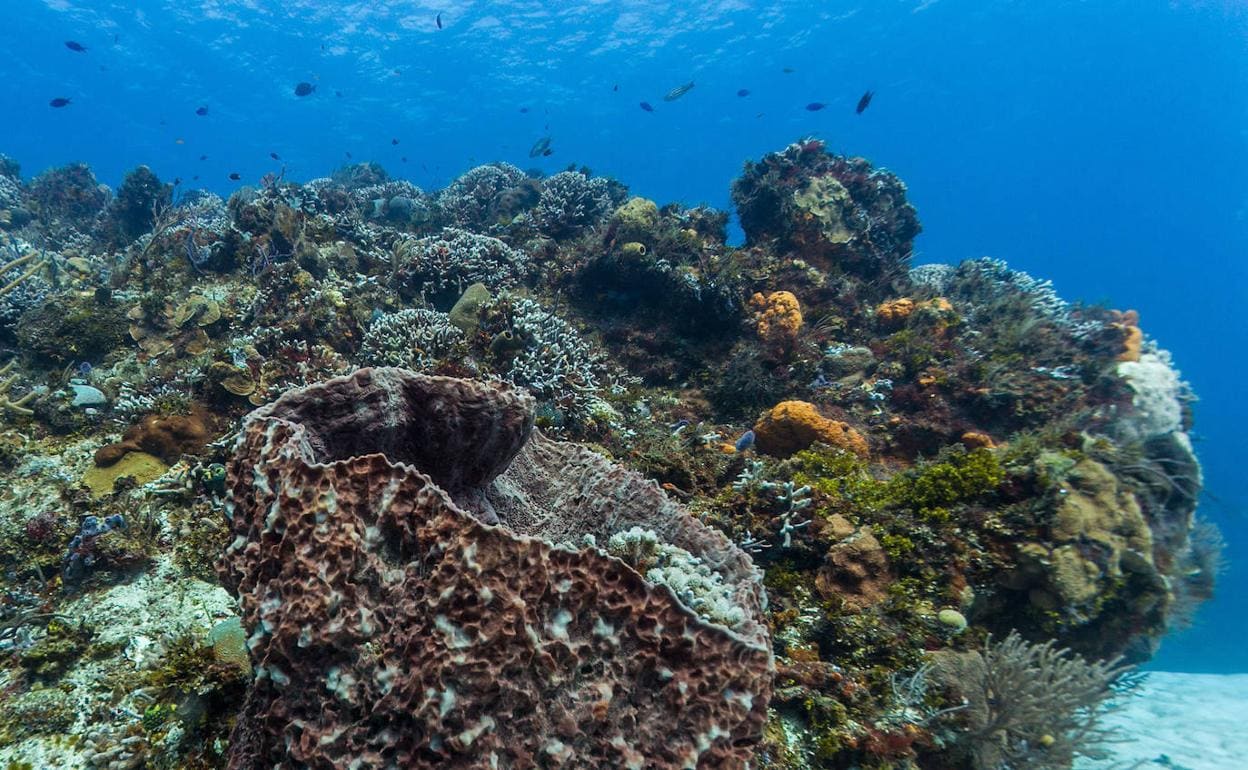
<point>404,158</point>
<point>338,94</point>
<point>815,106</point>
<point>59,101</point>
<point>546,153</point>
<point>438,20</point>
<point>274,156</point>
<point>202,111</point>
<point>203,157</point>
<point>398,72</point>
<point>235,177</point>
<point>646,106</point>
<point>348,156</point>
<point>788,70</point>
<point>394,141</point>
<point>615,87</point>
<point>195,178</point>
<point>678,92</point>
<point>74,45</point>
<point>540,147</point>
<point>303,89</point>
<point>524,109</point>
<point>864,102</point>
<point>743,92</point>
<point>177,180</point>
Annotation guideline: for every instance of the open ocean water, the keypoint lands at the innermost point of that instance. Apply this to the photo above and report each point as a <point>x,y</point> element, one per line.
<point>1102,145</point>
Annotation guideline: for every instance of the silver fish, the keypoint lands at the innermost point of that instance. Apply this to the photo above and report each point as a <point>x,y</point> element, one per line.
<point>678,92</point>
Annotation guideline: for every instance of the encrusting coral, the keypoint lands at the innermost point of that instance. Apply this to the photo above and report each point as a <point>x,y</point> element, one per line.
<point>418,574</point>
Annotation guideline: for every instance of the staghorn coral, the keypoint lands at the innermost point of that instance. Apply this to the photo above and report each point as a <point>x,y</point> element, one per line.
<point>792,426</point>
<point>406,606</point>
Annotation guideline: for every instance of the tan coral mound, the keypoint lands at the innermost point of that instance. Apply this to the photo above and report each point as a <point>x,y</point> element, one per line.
<point>792,426</point>
<point>412,565</point>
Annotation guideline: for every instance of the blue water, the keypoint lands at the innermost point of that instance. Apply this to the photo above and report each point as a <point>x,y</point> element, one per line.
<point>1101,144</point>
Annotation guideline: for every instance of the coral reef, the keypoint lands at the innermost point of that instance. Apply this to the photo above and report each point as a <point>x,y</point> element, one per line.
<point>935,469</point>
<point>532,645</point>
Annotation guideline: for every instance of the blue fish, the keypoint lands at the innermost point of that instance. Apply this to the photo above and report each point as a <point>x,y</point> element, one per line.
<point>647,106</point>
<point>815,106</point>
<point>745,442</point>
<point>743,92</point>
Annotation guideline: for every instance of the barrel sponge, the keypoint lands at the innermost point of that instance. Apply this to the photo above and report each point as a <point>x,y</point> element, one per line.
<point>418,574</point>
<point>792,426</point>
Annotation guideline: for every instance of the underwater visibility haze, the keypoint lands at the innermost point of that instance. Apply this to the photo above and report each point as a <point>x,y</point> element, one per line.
<point>623,384</point>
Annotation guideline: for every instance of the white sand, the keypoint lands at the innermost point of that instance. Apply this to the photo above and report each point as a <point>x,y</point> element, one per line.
<point>1184,722</point>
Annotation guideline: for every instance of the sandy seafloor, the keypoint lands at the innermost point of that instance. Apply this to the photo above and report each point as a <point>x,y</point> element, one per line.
<point>1181,721</point>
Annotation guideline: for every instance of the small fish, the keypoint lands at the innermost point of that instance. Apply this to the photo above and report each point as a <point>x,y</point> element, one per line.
<point>615,87</point>
<point>438,20</point>
<point>394,141</point>
<point>646,106</point>
<point>397,73</point>
<point>177,180</point>
<point>546,153</point>
<point>235,176</point>
<point>274,156</point>
<point>864,102</point>
<point>195,178</point>
<point>678,92</point>
<point>788,70</point>
<point>743,92</point>
<point>59,101</point>
<point>524,109</point>
<point>404,158</point>
<point>202,111</point>
<point>74,45</point>
<point>348,155</point>
<point>304,88</point>
<point>540,147</point>
<point>338,94</point>
<point>815,106</point>
<point>203,157</point>
<point>745,442</point>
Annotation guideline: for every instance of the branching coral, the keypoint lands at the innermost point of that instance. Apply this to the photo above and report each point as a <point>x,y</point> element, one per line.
<point>415,339</point>
<point>571,201</point>
<point>7,402</point>
<point>473,200</point>
<point>455,259</point>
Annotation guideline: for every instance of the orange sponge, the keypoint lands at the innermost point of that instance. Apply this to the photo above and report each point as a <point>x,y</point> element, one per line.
<point>779,318</point>
<point>792,426</point>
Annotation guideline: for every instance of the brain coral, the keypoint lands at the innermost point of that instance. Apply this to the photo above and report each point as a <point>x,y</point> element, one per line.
<point>416,573</point>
